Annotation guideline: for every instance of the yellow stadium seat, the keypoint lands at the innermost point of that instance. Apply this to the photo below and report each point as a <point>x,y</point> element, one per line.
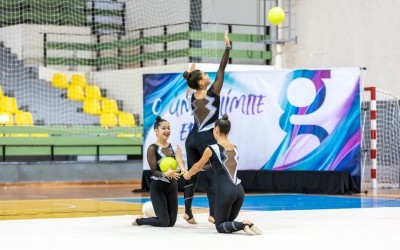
<point>78,80</point>
<point>126,120</point>
<point>23,118</point>
<point>8,105</point>
<point>3,103</point>
<point>59,80</point>
<point>93,92</point>
<point>91,106</point>
<point>6,119</point>
<point>125,135</point>
<point>14,105</point>
<point>39,135</point>
<point>109,106</point>
<point>108,120</point>
<point>20,135</point>
<point>75,93</point>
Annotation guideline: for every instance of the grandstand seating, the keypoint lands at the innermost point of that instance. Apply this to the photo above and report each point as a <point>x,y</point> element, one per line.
<point>118,48</point>
<point>93,92</point>
<point>60,80</point>
<point>109,106</point>
<point>78,80</point>
<point>126,119</point>
<point>23,118</point>
<point>8,105</point>
<point>115,49</point>
<point>76,93</point>
<point>108,120</point>
<point>91,106</point>
<point>93,101</point>
<point>20,79</point>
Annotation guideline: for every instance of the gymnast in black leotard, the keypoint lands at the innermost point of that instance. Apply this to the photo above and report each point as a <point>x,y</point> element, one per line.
<point>229,192</point>
<point>163,186</point>
<point>205,106</point>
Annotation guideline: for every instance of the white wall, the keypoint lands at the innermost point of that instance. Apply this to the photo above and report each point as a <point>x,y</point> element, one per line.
<point>139,11</point>
<point>11,36</point>
<point>238,12</point>
<point>342,33</point>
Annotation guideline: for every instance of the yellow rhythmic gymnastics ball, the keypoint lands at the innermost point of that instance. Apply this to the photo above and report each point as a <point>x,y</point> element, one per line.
<point>168,162</point>
<point>276,15</point>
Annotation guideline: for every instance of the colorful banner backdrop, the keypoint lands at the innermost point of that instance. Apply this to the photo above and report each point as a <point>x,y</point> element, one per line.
<point>281,119</point>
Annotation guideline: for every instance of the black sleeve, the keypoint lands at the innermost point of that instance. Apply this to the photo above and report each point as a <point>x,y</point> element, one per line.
<point>219,79</point>
<point>152,160</point>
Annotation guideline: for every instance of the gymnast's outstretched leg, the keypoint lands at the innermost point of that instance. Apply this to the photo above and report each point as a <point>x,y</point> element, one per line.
<point>190,186</point>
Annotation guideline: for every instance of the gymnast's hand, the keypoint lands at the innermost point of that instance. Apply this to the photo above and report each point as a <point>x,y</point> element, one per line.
<point>186,175</point>
<point>226,38</point>
<point>172,174</point>
<point>192,67</point>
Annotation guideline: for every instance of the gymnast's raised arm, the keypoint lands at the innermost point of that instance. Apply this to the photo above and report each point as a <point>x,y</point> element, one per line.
<point>219,79</point>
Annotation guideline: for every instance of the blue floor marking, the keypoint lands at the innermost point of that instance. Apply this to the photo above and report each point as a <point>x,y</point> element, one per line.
<point>276,202</point>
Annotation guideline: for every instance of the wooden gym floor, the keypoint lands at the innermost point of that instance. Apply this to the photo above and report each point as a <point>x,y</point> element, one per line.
<point>51,200</point>
<point>34,201</point>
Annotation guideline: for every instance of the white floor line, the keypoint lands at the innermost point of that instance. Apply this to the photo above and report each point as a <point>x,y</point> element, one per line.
<point>367,228</point>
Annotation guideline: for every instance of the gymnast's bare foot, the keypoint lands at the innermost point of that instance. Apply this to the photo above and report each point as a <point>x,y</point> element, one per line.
<point>252,227</point>
<point>248,231</point>
<point>134,223</point>
<point>188,219</point>
<point>255,229</point>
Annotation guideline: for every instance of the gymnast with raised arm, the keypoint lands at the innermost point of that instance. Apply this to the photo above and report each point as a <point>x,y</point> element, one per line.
<point>205,104</point>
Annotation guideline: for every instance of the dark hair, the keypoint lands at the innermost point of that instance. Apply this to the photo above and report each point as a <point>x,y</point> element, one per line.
<point>159,120</point>
<point>192,78</point>
<point>224,124</point>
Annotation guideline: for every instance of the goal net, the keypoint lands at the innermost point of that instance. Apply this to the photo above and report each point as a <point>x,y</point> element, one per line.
<point>76,66</point>
<point>381,140</point>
